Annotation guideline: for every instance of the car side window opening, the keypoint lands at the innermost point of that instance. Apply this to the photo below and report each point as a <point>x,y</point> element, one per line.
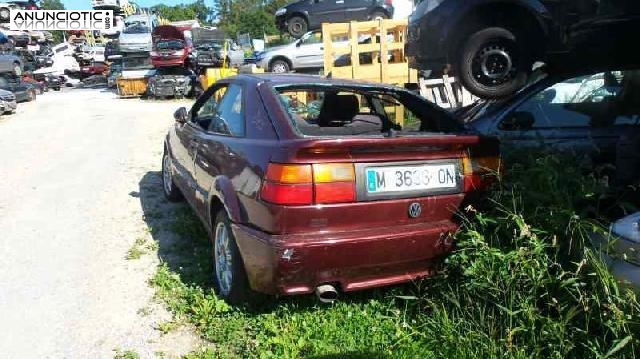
<point>230,113</point>
<point>585,101</point>
<point>207,110</point>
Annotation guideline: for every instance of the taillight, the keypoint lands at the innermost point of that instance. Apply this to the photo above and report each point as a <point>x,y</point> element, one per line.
<point>294,184</point>
<point>480,172</point>
<point>334,182</point>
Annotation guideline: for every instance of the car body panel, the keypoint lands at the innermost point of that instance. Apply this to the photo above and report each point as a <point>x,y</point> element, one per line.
<point>304,53</point>
<point>391,247</point>
<point>318,12</point>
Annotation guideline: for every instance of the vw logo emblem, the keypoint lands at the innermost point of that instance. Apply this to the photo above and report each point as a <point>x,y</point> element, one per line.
<point>415,209</point>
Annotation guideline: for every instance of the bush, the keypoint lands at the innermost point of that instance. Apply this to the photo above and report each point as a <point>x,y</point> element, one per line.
<point>523,281</point>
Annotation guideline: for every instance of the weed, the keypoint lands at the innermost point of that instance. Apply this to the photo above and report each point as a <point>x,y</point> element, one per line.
<point>137,249</point>
<point>127,354</point>
<point>166,327</point>
<point>144,311</point>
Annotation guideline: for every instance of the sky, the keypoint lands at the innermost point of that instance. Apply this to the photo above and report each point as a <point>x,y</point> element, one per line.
<point>86,4</point>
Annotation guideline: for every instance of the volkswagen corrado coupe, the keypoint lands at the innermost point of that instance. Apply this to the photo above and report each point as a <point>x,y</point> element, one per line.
<point>308,184</point>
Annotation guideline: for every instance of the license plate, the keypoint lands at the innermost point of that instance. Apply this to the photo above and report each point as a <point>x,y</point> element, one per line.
<point>410,178</point>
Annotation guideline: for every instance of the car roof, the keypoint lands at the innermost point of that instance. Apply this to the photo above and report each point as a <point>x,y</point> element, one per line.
<point>303,79</point>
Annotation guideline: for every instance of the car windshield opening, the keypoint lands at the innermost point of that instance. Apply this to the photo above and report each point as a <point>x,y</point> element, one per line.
<point>137,29</point>
<point>170,45</point>
<point>337,110</point>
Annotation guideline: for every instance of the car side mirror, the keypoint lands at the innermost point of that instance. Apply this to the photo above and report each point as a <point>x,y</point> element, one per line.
<point>518,121</point>
<point>181,115</point>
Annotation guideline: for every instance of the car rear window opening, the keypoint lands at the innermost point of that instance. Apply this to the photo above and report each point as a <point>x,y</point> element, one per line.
<point>351,111</point>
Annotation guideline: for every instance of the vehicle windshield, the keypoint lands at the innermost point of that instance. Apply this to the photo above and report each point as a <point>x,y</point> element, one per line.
<point>337,110</point>
<point>210,45</point>
<point>170,45</point>
<point>137,28</point>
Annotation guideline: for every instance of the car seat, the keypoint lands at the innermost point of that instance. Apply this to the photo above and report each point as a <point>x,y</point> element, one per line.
<point>338,110</point>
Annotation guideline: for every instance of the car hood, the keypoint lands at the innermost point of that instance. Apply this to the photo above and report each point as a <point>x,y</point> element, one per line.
<point>278,48</point>
<point>167,32</point>
<point>135,38</point>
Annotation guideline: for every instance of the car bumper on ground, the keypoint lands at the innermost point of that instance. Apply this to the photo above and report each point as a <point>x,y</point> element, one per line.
<point>614,253</point>
<point>354,260</point>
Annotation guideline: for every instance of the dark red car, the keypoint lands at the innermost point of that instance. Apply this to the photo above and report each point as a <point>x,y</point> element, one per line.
<point>95,68</point>
<point>170,47</point>
<point>308,184</point>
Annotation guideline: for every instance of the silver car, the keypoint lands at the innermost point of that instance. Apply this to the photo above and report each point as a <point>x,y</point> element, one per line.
<point>8,100</point>
<point>304,53</point>
<point>621,250</point>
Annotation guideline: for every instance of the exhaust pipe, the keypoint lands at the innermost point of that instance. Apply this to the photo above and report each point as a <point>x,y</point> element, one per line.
<point>326,293</point>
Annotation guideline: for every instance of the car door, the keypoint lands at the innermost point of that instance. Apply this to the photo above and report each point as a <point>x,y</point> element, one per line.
<point>326,11</point>
<point>309,52</point>
<point>356,10</point>
<point>184,145</point>
<point>557,116</point>
<point>219,151</point>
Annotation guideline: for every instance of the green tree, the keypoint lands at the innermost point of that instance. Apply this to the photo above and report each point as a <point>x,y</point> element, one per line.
<point>247,16</point>
<point>54,5</point>
<point>196,10</point>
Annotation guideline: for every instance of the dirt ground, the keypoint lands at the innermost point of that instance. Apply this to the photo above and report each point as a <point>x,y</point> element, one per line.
<point>70,169</point>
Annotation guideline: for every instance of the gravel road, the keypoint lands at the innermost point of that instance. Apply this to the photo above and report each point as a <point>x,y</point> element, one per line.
<point>70,168</point>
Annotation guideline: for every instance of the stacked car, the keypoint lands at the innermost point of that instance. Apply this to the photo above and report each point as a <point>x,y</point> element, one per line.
<point>170,56</point>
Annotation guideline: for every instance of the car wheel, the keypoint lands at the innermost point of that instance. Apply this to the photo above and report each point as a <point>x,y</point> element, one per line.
<point>171,191</point>
<point>297,26</point>
<point>279,66</point>
<point>493,63</point>
<point>17,70</point>
<point>378,15</point>
<point>56,88</point>
<point>228,268</point>
<point>4,14</point>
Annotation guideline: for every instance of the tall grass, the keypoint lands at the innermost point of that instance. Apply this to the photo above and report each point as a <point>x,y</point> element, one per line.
<point>523,282</point>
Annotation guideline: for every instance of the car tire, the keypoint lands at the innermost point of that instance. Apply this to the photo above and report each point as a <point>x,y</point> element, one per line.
<point>493,63</point>
<point>4,14</point>
<point>230,277</point>
<point>297,26</point>
<point>169,188</point>
<point>279,66</point>
<point>56,89</point>
<point>378,15</point>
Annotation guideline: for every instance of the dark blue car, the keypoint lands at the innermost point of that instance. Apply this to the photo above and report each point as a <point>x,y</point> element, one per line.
<point>595,113</point>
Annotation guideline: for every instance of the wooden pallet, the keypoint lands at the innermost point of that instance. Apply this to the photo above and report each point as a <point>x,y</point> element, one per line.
<point>387,39</point>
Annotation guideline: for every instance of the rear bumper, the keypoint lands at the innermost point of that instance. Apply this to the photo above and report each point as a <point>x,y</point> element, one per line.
<point>367,258</point>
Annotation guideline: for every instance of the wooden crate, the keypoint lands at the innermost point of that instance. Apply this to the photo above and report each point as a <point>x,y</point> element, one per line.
<point>131,87</point>
<point>214,74</point>
<point>388,37</point>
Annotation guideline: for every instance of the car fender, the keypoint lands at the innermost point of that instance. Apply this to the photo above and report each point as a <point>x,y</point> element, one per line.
<point>223,190</point>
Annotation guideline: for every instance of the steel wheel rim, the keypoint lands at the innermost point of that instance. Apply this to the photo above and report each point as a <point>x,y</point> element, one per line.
<point>279,68</point>
<point>166,174</point>
<point>4,14</point>
<point>493,64</point>
<point>296,27</point>
<point>222,258</point>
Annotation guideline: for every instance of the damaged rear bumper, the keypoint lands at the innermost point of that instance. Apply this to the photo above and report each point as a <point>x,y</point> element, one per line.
<point>297,264</point>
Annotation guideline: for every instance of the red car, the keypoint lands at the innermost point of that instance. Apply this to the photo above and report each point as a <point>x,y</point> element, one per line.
<point>96,68</point>
<point>307,184</point>
<point>170,47</point>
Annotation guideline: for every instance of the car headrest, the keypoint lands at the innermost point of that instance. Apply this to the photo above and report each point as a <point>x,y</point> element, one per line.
<point>338,109</point>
